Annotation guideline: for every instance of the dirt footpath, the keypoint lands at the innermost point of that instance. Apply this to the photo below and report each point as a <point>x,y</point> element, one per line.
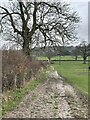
<point>52,99</point>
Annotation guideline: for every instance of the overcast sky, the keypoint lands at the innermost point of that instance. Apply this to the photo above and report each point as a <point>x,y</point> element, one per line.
<point>82,9</point>
<point>81,6</point>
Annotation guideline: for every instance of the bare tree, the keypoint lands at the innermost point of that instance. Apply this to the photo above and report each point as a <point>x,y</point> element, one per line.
<point>50,52</point>
<point>51,22</point>
<point>76,52</point>
<point>84,51</point>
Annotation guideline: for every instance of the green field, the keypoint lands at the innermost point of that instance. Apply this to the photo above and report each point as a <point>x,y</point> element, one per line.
<point>75,73</point>
<point>60,58</point>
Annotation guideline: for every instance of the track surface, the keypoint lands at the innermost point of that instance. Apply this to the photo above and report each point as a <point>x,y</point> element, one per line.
<point>52,99</point>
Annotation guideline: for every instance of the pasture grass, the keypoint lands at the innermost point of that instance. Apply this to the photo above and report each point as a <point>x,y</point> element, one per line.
<point>75,73</point>
<point>60,58</point>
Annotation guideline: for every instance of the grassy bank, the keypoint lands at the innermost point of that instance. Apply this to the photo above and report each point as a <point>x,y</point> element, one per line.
<point>74,72</point>
<point>16,96</point>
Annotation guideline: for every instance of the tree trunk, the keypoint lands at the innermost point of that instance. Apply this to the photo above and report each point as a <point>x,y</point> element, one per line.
<point>84,60</point>
<point>26,49</point>
<point>49,58</point>
<point>75,57</point>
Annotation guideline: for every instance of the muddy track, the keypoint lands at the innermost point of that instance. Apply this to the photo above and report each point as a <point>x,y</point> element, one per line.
<point>52,99</point>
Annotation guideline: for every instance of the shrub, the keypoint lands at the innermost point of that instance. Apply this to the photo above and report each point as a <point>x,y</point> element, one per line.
<point>14,65</point>
<point>18,69</point>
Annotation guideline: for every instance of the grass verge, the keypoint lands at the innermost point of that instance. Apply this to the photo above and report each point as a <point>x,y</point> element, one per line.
<point>18,94</point>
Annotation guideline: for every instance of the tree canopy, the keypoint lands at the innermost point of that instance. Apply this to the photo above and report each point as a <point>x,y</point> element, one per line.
<point>38,23</point>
